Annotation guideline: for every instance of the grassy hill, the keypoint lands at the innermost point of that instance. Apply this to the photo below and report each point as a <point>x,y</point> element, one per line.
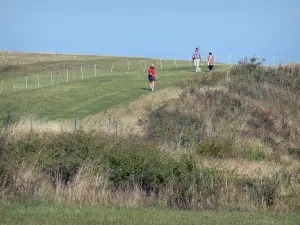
<point>55,89</point>
<point>226,140</point>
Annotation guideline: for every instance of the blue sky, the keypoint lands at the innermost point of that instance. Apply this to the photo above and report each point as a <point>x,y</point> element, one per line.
<point>157,28</point>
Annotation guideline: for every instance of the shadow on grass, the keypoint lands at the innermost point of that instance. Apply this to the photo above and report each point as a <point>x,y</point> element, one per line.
<point>145,89</point>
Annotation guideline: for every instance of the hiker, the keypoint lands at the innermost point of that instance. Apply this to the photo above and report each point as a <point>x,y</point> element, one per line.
<point>152,77</point>
<point>211,61</point>
<point>196,59</point>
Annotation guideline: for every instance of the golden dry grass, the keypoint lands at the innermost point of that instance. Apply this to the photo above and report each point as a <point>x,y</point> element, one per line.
<point>21,58</point>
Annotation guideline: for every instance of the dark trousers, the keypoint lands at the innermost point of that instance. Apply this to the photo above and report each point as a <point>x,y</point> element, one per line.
<point>211,67</point>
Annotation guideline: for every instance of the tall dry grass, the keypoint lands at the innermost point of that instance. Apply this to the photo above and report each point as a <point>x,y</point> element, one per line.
<point>91,187</point>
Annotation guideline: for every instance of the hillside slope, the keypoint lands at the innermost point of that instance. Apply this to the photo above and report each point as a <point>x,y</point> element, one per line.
<point>222,140</point>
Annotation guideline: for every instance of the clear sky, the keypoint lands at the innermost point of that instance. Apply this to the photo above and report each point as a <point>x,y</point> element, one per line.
<point>156,28</point>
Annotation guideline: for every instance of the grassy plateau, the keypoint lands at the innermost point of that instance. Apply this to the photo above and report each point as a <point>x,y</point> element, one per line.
<point>84,141</point>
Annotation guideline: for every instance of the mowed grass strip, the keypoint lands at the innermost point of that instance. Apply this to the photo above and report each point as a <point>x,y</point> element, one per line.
<point>88,96</point>
<point>15,213</point>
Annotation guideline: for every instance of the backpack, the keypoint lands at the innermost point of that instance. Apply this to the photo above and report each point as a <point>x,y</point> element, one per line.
<point>151,73</point>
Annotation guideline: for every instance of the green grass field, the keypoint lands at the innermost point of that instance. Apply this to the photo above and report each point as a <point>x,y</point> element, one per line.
<point>14,213</point>
<point>100,88</point>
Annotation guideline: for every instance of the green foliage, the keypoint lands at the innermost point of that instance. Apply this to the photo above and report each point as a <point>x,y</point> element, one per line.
<point>256,155</point>
<point>216,148</point>
<point>154,172</point>
<point>174,127</point>
<point>265,189</point>
<point>193,183</point>
<point>126,164</point>
<point>135,163</point>
<point>295,152</point>
<point>57,154</point>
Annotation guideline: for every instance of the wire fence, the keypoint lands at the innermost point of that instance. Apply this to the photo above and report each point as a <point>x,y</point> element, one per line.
<point>80,72</point>
<point>13,123</point>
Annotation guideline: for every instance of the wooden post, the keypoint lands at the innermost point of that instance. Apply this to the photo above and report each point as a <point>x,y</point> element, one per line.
<point>51,77</point>
<point>160,64</point>
<point>38,80</point>
<point>112,66</point>
<point>116,128</point>
<point>67,75</point>
<point>1,87</point>
<point>128,67</point>
<point>75,121</point>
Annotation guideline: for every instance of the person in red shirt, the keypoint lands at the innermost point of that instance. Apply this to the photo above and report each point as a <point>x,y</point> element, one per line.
<point>152,77</point>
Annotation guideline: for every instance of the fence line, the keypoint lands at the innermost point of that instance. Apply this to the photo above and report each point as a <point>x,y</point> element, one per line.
<point>93,70</point>
<point>73,74</point>
<point>29,124</point>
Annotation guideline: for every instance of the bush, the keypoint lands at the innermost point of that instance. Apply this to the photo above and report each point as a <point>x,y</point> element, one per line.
<point>295,152</point>
<point>216,148</point>
<point>264,190</point>
<point>194,185</point>
<point>156,173</point>
<point>134,163</point>
<point>256,155</point>
<point>57,154</point>
<point>174,127</point>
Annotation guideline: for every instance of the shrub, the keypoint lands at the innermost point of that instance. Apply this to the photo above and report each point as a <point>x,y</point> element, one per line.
<point>174,127</point>
<point>57,154</point>
<point>256,155</point>
<point>193,185</point>
<point>157,173</point>
<point>295,152</point>
<point>216,148</point>
<point>134,163</point>
<point>263,190</point>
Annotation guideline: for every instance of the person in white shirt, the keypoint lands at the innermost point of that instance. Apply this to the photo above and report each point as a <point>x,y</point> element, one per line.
<point>196,60</point>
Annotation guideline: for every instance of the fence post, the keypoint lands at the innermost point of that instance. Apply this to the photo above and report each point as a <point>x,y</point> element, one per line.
<point>30,123</point>
<point>95,70</point>
<point>160,64</point>
<point>112,66</point>
<point>196,135</point>
<point>145,66</point>
<point>8,119</point>
<point>51,77</point>
<point>1,87</point>
<point>128,67</point>
<point>109,122</point>
<point>228,59</point>
<point>38,80</point>
<point>116,128</point>
<point>75,120</point>
<point>14,87</point>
